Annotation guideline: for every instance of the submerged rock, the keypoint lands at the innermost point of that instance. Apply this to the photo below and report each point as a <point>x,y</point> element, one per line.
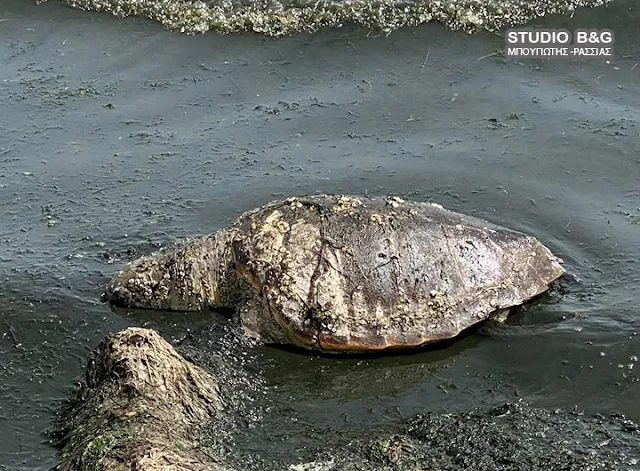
<point>346,273</point>
<point>510,437</point>
<point>513,436</point>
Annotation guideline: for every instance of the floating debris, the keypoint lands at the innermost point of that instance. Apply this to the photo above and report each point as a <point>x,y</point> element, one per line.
<point>276,18</point>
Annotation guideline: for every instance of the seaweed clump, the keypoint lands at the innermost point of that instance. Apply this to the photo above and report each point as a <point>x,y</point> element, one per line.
<point>272,18</point>
<point>141,406</point>
<point>509,437</point>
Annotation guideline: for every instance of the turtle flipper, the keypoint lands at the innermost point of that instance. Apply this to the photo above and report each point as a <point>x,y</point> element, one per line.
<point>253,318</point>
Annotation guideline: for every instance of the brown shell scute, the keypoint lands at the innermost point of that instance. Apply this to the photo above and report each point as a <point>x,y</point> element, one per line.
<point>362,273</point>
<point>277,251</point>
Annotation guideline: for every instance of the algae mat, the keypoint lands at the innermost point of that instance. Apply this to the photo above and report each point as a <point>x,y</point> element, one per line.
<point>279,18</point>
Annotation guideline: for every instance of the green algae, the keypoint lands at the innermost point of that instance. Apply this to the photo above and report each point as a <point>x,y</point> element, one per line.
<point>100,447</point>
<point>277,19</point>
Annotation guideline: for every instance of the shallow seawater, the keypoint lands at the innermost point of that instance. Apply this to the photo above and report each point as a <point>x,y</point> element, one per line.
<point>117,136</point>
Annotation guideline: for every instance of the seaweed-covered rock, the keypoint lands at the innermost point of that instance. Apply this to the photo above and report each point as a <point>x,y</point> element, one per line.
<point>141,407</point>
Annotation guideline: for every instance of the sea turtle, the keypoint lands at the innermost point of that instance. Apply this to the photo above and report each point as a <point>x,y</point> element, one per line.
<point>345,273</point>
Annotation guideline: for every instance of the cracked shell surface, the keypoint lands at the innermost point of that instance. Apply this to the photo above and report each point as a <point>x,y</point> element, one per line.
<point>352,273</point>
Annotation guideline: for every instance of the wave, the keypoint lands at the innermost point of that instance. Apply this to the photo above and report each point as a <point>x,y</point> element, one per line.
<point>288,17</point>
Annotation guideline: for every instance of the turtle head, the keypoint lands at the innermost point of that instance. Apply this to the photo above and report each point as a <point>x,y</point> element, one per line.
<point>144,283</point>
<point>181,277</point>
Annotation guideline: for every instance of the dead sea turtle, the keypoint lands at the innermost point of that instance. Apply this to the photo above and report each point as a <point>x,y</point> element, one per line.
<point>345,273</point>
